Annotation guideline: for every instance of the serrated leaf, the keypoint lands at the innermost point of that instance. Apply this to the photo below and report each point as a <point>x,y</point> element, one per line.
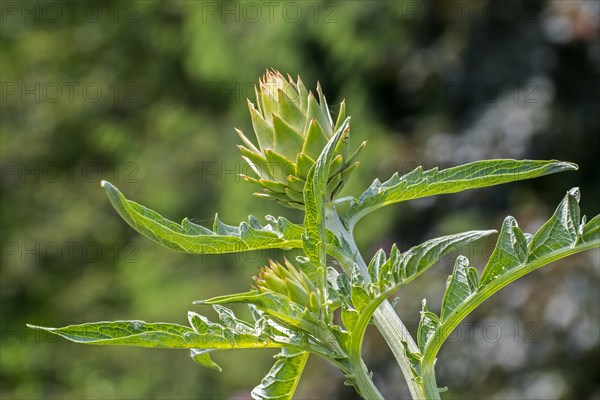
<point>591,230</point>
<point>161,335</point>
<point>202,357</point>
<point>419,183</point>
<point>375,265</point>
<point>130,333</point>
<point>360,298</point>
<point>314,200</point>
<point>344,285</point>
<point>401,268</point>
<point>458,289</point>
<point>560,231</point>
<point>296,317</point>
<point>415,361</point>
<point>228,319</point>
<point>391,274</point>
<point>510,251</point>
<point>282,379</point>
<point>397,270</point>
<point>198,322</point>
<point>350,318</point>
<point>513,257</point>
<point>428,325</point>
<point>192,238</point>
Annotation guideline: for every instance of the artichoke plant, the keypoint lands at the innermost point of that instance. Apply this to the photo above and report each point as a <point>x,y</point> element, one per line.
<point>290,282</point>
<point>291,127</point>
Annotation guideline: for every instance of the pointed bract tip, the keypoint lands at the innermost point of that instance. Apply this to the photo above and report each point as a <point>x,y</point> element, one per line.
<point>31,326</point>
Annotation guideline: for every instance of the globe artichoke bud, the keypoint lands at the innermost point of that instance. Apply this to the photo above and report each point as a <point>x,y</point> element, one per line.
<point>290,282</point>
<point>292,127</point>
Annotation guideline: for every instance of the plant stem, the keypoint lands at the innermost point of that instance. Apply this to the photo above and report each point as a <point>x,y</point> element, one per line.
<point>429,383</point>
<point>394,333</point>
<point>364,382</point>
<point>386,320</point>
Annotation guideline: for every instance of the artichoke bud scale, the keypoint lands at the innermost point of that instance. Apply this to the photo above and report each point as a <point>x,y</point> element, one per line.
<point>292,126</point>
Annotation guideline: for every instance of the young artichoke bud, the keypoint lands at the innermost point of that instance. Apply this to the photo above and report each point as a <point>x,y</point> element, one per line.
<point>292,127</point>
<point>290,282</point>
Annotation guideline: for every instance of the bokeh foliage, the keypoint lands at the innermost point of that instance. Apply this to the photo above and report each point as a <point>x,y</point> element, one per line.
<point>435,83</point>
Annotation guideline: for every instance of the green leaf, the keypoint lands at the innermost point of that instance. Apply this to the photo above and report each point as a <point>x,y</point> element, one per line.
<point>509,253</point>
<point>419,183</point>
<point>401,268</point>
<point>161,335</point>
<point>390,274</point>
<point>295,317</point>
<point>350,318</point>
<point>201,338</point>
<point>282,379</point>
<point>562,230</point>
<point>459,288</point>
<point>202,357</point>
<point>514,256</point>
<point>314,200</point>
<point>428,324</point>
<point>387,276</point>
<point>196,239</point>
<point>360,298</point>
<point>129,333</point>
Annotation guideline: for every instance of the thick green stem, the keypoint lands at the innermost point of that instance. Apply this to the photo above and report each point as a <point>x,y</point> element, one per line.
<point>386,320</point>
<point>364,383</point>
<point>429,383</point>
<point>394,333</point>
<point>356,370</point>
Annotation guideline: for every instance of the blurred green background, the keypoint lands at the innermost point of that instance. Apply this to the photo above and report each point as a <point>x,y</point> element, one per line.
<point>146,94</point>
